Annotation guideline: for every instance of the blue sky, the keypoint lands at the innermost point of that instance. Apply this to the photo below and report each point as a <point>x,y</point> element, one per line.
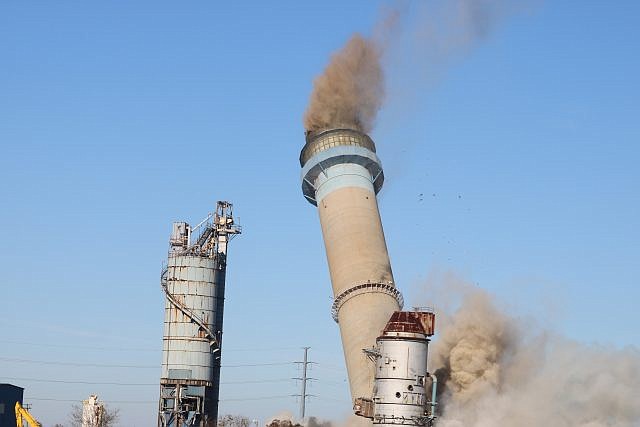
<point>515,166</point>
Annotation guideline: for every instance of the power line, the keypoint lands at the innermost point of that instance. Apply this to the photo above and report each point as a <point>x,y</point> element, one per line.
<point>329,367</point>
<point>77,382</point>
<point>93,365</point>
<point>338,384</point>
<point>275,380</point>
<point>125,349</point>
<point>255,398</point>
<point>52,399</point>
<point>106,365</point>
<point>330,399</point>
<point>258,364</point>
<point>83,347</point>
<point>260,349</point>
<point>272,380</point>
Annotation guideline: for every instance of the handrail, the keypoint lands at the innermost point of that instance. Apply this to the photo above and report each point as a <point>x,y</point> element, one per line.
<point>369,287</point>
<point>213,341</point>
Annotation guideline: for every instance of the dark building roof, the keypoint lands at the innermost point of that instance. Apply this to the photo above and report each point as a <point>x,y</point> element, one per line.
<point>9,395</point>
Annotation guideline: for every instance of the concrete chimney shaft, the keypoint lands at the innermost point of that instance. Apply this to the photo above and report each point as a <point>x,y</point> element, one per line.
<point>341,175</point>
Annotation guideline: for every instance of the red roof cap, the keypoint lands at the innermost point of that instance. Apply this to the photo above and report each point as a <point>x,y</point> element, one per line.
<point>417,322</point>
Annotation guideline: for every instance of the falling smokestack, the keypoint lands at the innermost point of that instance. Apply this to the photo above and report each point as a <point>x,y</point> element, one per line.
<point>341,175</point>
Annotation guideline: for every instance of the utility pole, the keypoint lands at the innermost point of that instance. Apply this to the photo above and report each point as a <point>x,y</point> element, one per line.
<point>303,392</point>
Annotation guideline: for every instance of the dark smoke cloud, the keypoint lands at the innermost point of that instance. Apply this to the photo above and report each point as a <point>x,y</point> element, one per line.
<point>351,90</point>
<point>499,370</point>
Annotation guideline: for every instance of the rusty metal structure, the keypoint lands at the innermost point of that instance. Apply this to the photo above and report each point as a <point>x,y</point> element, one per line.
<point>341,176</point>
<point>193,282</point>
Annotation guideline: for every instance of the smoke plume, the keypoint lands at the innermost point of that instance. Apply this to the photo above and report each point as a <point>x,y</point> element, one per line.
<point>497,370</point>
<point>350,91</point>
<point>414,37</point>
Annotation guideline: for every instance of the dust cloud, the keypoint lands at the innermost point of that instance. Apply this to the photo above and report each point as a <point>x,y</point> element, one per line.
<point>501,370</point>
<point>497,369</point>
<point>286,419</point>
<point>351,90</point>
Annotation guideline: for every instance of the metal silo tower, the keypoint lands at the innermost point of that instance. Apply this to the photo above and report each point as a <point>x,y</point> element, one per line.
<point>193,282</point>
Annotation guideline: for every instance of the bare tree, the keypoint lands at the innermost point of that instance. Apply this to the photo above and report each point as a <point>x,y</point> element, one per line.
<point>234,421</point>
<point>108,419</point>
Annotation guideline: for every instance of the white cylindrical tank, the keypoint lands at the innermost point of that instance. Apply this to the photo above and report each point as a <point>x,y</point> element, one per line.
<point>186,352</point>
<point>400,395</point>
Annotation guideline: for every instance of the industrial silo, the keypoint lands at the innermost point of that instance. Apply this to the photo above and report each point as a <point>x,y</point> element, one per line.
<point>194,282</point>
